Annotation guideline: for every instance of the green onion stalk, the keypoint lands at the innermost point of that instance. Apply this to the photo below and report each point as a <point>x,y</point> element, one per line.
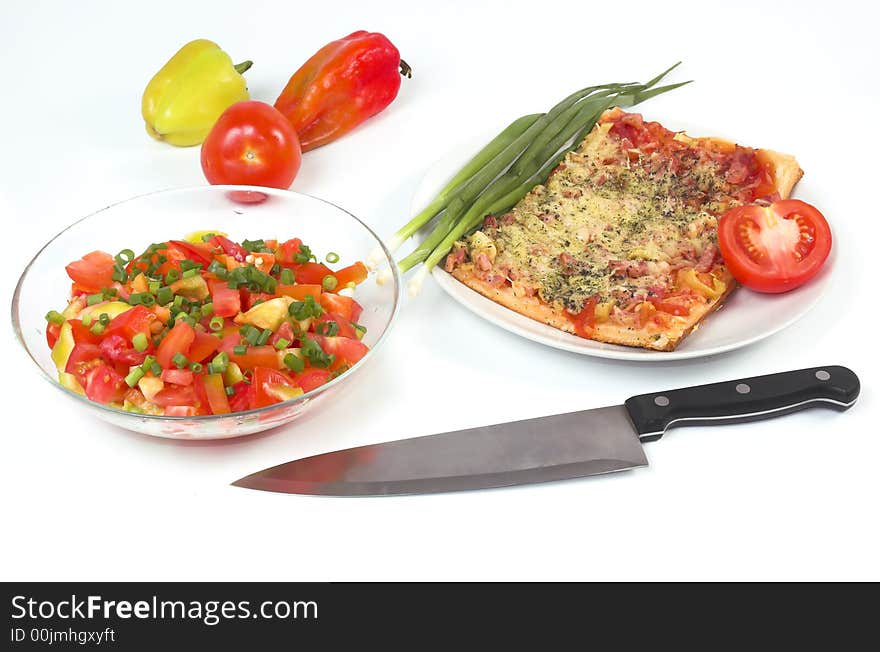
<point>524,163</point>
<point>490,161</point>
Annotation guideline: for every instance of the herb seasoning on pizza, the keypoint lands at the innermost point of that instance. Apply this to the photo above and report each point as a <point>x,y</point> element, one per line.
<point>620,244</point>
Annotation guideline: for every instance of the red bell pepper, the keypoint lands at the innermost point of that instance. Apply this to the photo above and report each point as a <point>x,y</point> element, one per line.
<point>343,84</point>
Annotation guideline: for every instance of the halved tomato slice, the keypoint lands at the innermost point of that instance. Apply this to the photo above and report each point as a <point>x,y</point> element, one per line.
<point>774,248</point>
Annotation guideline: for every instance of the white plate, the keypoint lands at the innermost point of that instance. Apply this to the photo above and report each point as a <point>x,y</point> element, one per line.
<point>746,317</point>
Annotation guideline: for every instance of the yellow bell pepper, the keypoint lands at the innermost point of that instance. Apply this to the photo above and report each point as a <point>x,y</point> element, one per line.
<point>184,99</point>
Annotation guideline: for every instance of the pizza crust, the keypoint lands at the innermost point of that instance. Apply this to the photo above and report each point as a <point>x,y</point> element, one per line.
<point>658,340</point>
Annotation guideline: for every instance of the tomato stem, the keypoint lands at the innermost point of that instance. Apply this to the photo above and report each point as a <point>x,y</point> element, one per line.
<point>243,67</point>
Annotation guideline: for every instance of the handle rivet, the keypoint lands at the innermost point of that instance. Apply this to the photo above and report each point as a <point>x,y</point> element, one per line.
<point>742,388</point>
<point>823,375</point>
<point>662,401</point>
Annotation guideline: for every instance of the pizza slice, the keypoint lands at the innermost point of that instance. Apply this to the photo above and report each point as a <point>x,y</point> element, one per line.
<point>620,244</point>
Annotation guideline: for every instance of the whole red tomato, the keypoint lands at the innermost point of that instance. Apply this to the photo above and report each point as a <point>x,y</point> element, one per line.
<point>251,144</point>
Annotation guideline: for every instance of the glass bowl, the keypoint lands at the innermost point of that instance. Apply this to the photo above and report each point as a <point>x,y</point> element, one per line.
<point>136,223</point>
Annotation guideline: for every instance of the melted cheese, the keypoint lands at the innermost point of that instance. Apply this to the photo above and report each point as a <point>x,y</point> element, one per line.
<point>605,210</point>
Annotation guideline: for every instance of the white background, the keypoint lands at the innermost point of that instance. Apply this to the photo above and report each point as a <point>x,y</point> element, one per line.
<point>793,498</point>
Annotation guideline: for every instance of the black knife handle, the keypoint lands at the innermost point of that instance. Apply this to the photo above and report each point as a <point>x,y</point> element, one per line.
<point>748,399</point>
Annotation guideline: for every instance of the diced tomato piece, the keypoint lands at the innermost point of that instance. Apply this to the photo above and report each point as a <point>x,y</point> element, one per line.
<point>299,291</point>
<point>311,379</point>
<point>345,307</point>
<point>249,299</point>
<point>180,411</point>
<point>104,385</point>
<point>203,345</point>
<point>229,247</point>
<point>175,395</point>
<point>356,273</point>
<point>178,340</point>
<point>226,300</point>
<point>286,252</point>
<point>131,322</point>
<point>269,386</point>
<point>92,272</point>
<point>52,333</point>
<point>83,358</point>
<point>216,394</point>
<point>177,376</point>
<point>116,348</point>
<point>198,386</point>
<point>344,327</point>
<point>83,333</point>
<point>285,331</point>
<point>229,341</point>
<point>243,398</point>
<point>312,273</point>
<point>347,351</point>
<point>257,356</point>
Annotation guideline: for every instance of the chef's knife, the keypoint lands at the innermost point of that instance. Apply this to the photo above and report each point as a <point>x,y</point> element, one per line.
<point>557,447</point>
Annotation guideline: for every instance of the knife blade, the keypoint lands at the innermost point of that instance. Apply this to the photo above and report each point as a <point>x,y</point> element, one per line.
<point>572,445</point>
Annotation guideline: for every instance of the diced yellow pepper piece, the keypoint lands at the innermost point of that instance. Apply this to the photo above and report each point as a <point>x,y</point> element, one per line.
<point>70,382</point>
<point>603,310</point>
<point>150,386</point>
<point>269,314</point>
<point>689,278</point>
<point>194,288</point>
<point>282,392</point>
<point>63,346</point>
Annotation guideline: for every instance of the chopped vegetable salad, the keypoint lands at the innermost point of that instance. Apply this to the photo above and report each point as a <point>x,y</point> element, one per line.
<point>206,325</point>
